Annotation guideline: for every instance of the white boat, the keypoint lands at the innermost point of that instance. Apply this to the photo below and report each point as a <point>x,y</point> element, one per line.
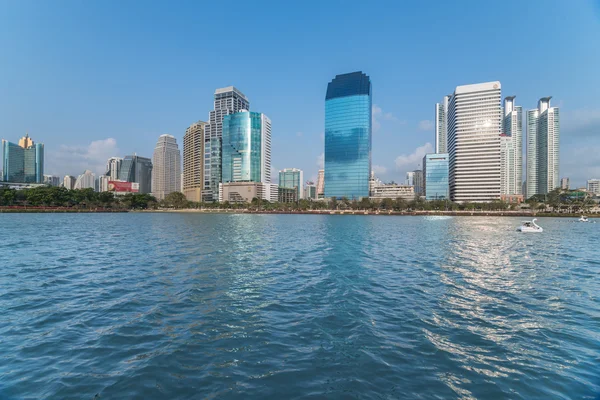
<point>530,227</point>
<point>584,219</point>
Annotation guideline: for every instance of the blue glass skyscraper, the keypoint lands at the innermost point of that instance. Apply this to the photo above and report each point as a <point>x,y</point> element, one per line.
<point>246,149</point>
<point>348,136</point>
<point>435,170</point>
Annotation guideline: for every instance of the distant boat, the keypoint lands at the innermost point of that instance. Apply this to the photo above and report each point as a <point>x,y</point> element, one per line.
<point>584,219</point>
<point>530,227</point>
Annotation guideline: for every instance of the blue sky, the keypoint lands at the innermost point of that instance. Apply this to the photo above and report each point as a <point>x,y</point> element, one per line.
<point>93,79</point>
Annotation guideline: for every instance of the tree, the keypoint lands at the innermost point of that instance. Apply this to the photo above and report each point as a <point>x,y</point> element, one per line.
<point>176,200</point>
<point>334,203</point>
<point>554,199</point>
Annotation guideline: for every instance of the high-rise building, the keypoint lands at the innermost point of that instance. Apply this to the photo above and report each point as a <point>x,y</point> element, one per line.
<point>543,134</point>
<point>166,167</point>
<point>52,180</point>
<point>564,183</point>
<point>441,125</point>
<point>348,136</point>
<point>87,180</point>
<point>23,163</point>
<point>193,161</point>
<point>321,184</point>
<point>418,182</point>
<point>69,182</point>
<point>113,166</point>
<point>246,150</point>
<point>512,156</point>
<point>507,165</point>
<point>138,170</point>
<point>474,126</point>
<point>435,171</point>
<point>310,191</point>
<point>292,178</point>
<point>410,178</point>
<point>593,186</point>
<point>228,100</point>
<point>102,183</point>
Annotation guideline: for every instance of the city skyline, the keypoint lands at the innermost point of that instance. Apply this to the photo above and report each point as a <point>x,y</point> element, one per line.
<point>155,101</point>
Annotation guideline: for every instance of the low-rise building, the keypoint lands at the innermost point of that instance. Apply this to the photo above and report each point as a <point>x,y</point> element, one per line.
<point>392,191</point>
<point>288,195</point>
<point>593,186</point>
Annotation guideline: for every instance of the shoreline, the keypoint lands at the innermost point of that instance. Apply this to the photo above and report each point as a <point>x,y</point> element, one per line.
<point>381,213</point>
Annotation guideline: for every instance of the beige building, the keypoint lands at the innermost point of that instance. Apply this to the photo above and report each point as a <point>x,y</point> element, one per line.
<point>193,161</point>
<point>240,192</point>
<point>321,183</point>
<point>392,191</point>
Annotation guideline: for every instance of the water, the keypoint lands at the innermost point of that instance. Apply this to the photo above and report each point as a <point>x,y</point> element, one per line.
<point>182,306</point>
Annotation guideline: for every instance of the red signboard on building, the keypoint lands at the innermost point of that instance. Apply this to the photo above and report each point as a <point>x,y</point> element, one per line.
<point>123,187</point>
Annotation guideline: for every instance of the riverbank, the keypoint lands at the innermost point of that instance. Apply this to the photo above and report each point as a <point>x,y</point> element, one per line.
<point>16,209</point>
<point>521,213</point>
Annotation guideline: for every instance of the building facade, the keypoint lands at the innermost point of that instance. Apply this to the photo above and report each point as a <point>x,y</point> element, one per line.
<point>292,178</point>
<point>564,184</point>
<point>113,167</point>
<point>310,191</point>
<point>102,183</point>
<point>228,100</point>
<point>23,162</point>
<point>193,161</point>
<point>348,136</point>
<point>593,186</point>
<point>166,167</point>
<point>441,125</point>
<point>287,195</point>
<point>69,182</point>
<point>435,170</point>
<point>246,151</point>
<point>543,134</point>
<point>512,157</point>
<point>87,180</point>
<point>410,178</point>
<point>418,182</point>
<point>52,180</point>
<point>474,126</point>
<point>392,191</point>
<point>137,169</point>
<point>507,164</point>
<point>321,184</point>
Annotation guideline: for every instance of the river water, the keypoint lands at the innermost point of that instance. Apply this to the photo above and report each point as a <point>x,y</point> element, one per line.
<point>181,306</point>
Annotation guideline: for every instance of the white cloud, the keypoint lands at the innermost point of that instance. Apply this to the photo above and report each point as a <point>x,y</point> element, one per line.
<point>415,158</point>
<point>74,160</point>
<point>425,125</point>
<point>379,169</point>
<point>321,161</point>
<point>379,115</point>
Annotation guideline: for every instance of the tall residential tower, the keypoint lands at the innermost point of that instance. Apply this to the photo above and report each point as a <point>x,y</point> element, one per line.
<point>441,125</point>
<point>543,134</point>
<point>511,148</point>
<point>166,167</point>
<point>193,161</point>
<point>348,136</point>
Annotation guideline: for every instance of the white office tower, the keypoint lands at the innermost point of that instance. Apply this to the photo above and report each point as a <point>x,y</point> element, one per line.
<point>166,171</point>
<point>441,125</point>
<point>512,130</point>
<point>543,133</point>
<point>474,126</point>
<point>113,166</point>
<point>102,183</point>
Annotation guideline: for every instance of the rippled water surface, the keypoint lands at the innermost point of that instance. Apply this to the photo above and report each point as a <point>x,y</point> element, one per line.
<point>183,306</point>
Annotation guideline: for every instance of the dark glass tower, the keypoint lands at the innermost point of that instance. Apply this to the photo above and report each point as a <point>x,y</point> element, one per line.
<point>348,136</point>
